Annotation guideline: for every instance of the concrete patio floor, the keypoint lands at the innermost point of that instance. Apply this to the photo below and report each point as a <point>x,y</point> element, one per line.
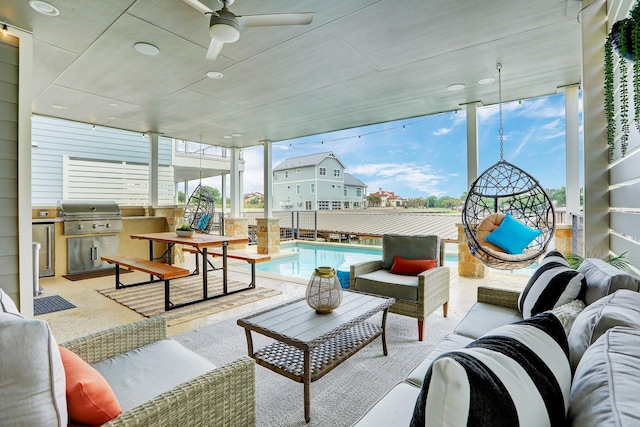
<point>96,312</point>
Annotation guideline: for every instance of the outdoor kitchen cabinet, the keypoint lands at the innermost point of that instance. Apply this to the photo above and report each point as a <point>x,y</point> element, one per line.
<point>83,253</point>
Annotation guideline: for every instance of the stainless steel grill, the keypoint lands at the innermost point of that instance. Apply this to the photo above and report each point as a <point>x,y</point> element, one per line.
<point>90,217</point>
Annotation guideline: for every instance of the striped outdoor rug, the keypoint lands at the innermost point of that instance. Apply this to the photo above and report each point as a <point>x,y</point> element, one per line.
<point>148,300</point>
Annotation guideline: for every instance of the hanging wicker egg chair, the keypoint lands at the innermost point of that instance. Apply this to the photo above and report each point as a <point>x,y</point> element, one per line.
<point>505,188</point>
<point>500,190</point>
<point>200,209</point>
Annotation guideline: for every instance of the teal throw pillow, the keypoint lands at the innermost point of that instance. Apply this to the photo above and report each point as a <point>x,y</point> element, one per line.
<point>512,235</point>
<point>204,222</point>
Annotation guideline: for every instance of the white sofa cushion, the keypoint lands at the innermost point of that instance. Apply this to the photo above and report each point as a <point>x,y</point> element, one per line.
<point>394,409</point>
<point>606,384</point>
<point>483,317</point>
<point>517,375</point>
<point>383,282</point>
<point>142,374</point>
<point>604,279</point>
<point>621,308</point>
<point>32,380</point>
<point>7,305</point>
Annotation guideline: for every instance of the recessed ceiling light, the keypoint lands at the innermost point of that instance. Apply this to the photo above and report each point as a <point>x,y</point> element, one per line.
<point>227,137</point>
<point>58,107</point>
<point>113,104</point>
<point>236,135</point>
<point>44,8</point>
<point>112,118</point>
<point>486,81</point>
<point>214,74</point>
<point>146,49</point>
<point>455,86</point>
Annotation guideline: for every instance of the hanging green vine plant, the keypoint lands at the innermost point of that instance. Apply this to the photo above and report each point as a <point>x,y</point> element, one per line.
<point>609,101</point>
<point>624,39</point>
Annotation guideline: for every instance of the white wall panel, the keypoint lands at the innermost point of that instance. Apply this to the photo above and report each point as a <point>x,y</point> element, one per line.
<point>54,138</point>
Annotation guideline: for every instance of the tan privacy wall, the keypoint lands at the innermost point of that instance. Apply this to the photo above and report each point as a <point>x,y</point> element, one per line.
<point>468,265</point>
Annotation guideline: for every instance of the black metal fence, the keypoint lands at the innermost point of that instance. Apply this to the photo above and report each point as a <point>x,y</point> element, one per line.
<point>294,225</point>
<point>300,225</point>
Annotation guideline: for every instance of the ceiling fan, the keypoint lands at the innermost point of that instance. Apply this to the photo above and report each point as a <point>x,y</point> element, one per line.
<point>225,26</point>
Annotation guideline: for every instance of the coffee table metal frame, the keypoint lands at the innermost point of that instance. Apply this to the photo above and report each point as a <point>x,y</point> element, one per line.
<point>309,345</point>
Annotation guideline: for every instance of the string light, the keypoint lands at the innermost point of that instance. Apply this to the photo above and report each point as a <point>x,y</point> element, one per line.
<point>388,129</point>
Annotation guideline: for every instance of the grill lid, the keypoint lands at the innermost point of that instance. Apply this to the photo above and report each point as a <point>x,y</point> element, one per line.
<point>75,209</point>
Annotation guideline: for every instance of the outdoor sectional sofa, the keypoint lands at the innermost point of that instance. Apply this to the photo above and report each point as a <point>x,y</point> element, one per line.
<point>588,359</point>
<point>156,381</point>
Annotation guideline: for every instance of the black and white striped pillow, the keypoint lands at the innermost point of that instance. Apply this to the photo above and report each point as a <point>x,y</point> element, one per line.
<point>516,375</point>
<point>553,284</point>
<point>554,256</point>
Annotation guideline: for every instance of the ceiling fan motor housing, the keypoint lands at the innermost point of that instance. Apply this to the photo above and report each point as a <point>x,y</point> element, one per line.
<point>224,27</point>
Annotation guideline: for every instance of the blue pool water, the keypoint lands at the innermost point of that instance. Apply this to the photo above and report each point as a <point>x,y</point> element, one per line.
<point>312,255</point>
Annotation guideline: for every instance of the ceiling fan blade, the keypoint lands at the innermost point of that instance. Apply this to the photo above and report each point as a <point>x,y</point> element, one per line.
<point>303,18</point>
<point>214,49</point>
<point>198,6</point>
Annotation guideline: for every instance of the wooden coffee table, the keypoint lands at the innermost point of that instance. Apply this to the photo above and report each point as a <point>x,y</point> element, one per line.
<point>308,345</point>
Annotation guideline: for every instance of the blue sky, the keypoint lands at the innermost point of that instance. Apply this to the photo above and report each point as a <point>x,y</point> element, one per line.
<point>426,156</point>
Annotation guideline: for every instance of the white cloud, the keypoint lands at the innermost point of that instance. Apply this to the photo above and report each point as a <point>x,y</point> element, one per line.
<point>442,131</point>
<point>393,177</point>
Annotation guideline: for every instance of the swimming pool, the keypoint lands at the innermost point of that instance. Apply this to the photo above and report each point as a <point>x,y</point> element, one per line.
<point>313,255</point>
<point>338,256</point>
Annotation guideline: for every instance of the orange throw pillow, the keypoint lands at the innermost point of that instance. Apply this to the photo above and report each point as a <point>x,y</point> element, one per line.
<point>90,399</point>
<point>410,267</point>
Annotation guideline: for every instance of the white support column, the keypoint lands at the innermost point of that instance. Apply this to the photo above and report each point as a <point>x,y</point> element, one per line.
<point>268,178</point>
<point>176,188</point>
<point>223,192</point>
<point>235,190</point>
<point>472,143</point>
<point>596,156</point>
<point>186,191</point>
<point>24,263</point>
<point>153,169</point>
<point>572,126</point>
<point>241,178</point>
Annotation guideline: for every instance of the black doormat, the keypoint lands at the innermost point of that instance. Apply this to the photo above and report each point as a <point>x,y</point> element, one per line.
<point>93,274</point>
<point>44,305</point>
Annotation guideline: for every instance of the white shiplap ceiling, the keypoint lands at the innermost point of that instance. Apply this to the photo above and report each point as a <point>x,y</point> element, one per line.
<point>359,62</point>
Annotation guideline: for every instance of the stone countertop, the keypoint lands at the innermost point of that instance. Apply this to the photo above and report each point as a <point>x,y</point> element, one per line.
<point>45,220</point>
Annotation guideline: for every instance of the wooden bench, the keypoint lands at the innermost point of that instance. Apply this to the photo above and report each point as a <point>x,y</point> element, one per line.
<point>252,259</point>
<point>164,272</point>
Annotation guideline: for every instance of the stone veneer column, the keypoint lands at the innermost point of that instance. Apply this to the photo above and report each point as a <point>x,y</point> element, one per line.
<point>468,265</point>
<point>563,238</point>
<point>175,218</point>
<point>236,227</point>
<point>268,235</point>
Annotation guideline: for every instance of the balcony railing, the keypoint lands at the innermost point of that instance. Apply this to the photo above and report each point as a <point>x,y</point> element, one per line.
<point>189,147</point>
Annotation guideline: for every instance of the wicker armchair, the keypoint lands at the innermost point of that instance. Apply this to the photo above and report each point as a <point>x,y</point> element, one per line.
<point>416,296</point>
<point>223,396</point>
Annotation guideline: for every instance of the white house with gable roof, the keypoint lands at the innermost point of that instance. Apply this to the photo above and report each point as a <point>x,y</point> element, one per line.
<point>316,182</point>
